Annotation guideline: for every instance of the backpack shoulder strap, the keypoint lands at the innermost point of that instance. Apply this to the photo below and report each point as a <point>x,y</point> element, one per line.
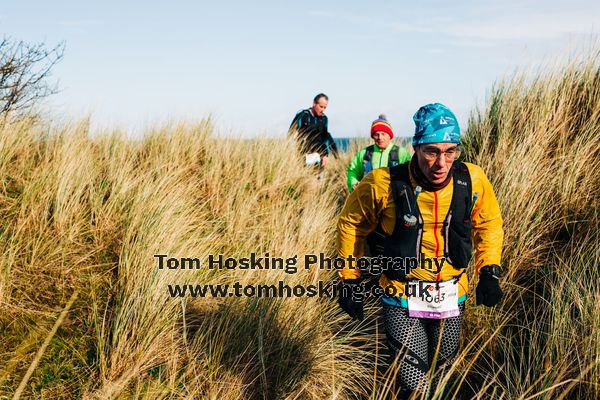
<point>403,196</point>
<point>463,191</point>
<point>369,153</point>
<point>393,158</point>
<point>400,173</point>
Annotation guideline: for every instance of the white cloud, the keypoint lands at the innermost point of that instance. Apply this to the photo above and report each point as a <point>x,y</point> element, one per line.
<point>523,27</point>
<point>486,22</point>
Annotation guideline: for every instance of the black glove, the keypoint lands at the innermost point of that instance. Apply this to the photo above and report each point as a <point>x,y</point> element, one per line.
<point>488,290</point>
<point>351,298</point>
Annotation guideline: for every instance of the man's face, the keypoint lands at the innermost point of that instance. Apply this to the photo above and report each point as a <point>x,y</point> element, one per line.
<point>382,139</point>
<point>435,160</point>
<point>320,106</point>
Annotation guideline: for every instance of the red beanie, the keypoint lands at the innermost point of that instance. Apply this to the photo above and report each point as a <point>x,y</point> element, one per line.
<point>381,124</point>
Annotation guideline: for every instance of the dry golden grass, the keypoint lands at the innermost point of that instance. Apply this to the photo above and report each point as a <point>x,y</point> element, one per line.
<point>86,215</point>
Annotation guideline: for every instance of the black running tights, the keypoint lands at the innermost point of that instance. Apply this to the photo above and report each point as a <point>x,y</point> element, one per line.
<point>416,341</point>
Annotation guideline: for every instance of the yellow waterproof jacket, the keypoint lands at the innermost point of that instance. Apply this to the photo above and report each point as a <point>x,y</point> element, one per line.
<point>372,204</point>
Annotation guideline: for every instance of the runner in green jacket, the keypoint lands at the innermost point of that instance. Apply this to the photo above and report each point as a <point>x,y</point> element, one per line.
<point>381,154</point>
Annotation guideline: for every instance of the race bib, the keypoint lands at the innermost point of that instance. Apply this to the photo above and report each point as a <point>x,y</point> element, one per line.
<point>435,300</point>
<point>313,158</point>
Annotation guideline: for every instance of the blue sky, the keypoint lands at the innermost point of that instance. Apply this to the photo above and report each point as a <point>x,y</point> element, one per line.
<point>252,65</point>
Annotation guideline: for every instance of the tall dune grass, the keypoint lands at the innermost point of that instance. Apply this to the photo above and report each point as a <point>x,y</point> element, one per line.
<point>87,216</point>
<point>82,215</point>
<point>537,139</point>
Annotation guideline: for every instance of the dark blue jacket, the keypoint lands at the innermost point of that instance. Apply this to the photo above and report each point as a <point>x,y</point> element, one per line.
<point>312,133</point>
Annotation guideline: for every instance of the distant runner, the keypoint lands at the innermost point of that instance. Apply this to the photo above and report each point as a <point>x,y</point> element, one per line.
<point>381,154</point>
<point>310,128</point>
<point>433,207</point>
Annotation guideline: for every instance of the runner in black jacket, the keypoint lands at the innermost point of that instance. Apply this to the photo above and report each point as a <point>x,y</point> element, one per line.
<point>310,126</point>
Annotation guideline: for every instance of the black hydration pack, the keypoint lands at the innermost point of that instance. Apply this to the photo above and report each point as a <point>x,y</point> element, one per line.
<point>406,239</point>
<point>393,158</point>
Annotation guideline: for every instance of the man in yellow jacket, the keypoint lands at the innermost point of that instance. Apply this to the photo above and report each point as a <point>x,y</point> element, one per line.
<point>431,212</point>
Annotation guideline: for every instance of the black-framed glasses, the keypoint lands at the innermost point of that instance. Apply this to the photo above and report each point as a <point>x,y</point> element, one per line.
<point>432,153</point>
